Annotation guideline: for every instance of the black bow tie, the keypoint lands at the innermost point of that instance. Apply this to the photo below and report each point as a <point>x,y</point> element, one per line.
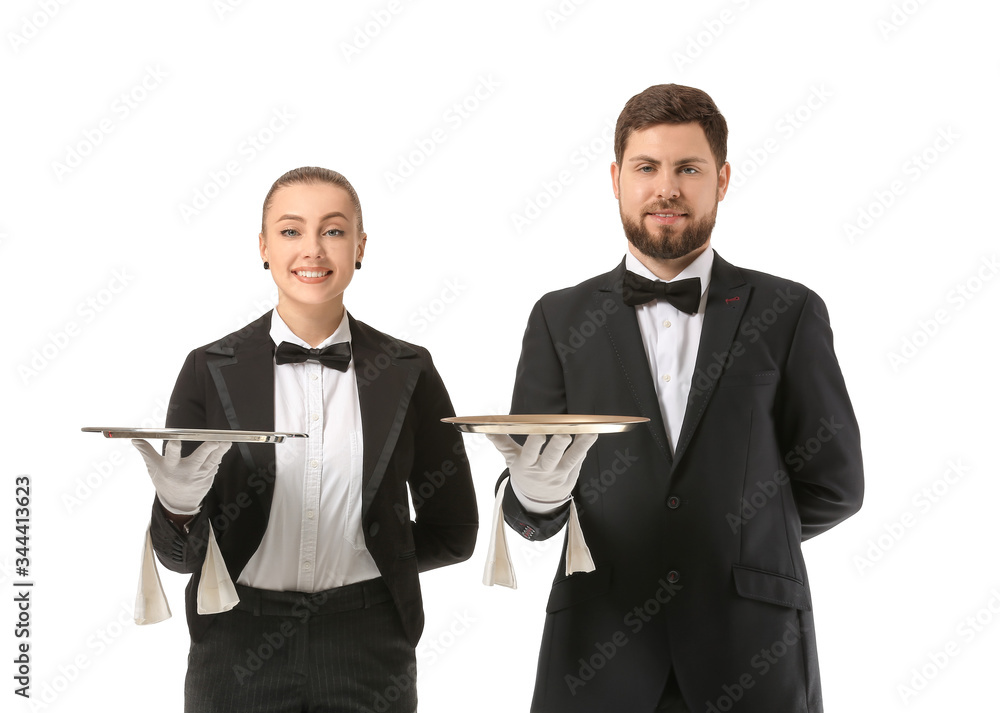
<point>685,295</point>
<point>336,356</point>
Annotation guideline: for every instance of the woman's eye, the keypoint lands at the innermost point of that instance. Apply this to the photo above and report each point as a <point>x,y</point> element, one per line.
<point>289,232</point>
<point>334,232</point>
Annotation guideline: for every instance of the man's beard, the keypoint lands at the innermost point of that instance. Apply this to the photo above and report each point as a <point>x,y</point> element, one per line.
<point>668,242</point>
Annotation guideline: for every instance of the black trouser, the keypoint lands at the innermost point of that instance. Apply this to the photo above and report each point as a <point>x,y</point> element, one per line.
<point>672,701</point>
<point>339,650</point>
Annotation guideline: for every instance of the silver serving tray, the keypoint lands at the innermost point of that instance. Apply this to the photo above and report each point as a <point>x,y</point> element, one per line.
<point>194,434</point>
<point>530,424</point>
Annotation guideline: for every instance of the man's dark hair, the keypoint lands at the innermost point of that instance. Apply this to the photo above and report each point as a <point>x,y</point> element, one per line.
<point>672,104</point>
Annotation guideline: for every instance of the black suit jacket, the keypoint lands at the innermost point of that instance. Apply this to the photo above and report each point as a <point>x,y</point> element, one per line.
<point>230,384</point>
<point>698,552</point>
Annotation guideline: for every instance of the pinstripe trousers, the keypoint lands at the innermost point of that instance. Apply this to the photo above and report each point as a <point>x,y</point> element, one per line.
<point>339,651</point>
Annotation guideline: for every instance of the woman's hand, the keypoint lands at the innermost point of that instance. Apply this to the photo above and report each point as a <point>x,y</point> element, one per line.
<point>182,483</point>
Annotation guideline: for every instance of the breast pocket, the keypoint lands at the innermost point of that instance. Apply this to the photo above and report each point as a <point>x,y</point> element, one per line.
<point>748,379</point>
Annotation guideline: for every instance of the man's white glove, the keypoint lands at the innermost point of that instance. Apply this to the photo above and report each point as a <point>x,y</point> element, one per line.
<point>545,478</point>
<point>181,483</point>
<point>542,481</point>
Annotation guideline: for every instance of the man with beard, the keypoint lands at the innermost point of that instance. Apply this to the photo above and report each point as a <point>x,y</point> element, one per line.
<point>695,597</point>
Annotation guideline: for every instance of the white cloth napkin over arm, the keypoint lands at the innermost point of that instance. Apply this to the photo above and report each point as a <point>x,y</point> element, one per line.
<point>181,484</point>
<point>542,481</point>
<point>216,592</point>
<point>150,601</point>
<point>499,569</point>
<point>578,557</point>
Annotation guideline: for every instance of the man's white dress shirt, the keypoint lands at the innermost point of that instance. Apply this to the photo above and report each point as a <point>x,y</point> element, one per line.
<point>671,338</point>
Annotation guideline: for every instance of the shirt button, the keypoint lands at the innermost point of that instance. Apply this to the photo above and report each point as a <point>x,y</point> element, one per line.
<point>313,463</point>
<point>315,417</point>
<point>667,377</point>
<point>673,502</point>
<point>673,576</point>
<point>666,323</point>
<point>309,514</point>
<point>308,565</point>
<point>314,376</point>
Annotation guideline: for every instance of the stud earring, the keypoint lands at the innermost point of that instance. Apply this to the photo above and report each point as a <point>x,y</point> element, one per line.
<point>267,265</point>
<point>357,265</point>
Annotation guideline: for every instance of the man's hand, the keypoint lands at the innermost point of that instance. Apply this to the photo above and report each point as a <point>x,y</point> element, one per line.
<point>545,477</point>
<point>181,483</point>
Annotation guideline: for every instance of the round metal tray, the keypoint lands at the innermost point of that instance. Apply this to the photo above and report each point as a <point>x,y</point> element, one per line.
<point>194,434</point>
<point>529,424</point>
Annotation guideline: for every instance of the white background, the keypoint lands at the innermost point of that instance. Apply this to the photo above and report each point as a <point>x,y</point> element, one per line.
<point>108,282</point>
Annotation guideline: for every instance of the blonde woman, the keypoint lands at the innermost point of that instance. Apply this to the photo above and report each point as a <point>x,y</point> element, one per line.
<point>316,534</point>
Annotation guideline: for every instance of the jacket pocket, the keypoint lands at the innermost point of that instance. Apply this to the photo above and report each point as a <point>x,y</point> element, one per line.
<point>578,587</point>
<point>771,587</point>
<point>407,547</point>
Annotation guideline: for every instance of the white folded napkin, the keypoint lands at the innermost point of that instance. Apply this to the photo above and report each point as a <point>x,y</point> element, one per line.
<point>150,601</point>
<point>216,592</point>
<point>578,557</point>
<point>500,570</point>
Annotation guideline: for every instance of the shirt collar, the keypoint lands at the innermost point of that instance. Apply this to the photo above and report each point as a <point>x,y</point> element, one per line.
<point>281,333</point>
<point>701,268</point>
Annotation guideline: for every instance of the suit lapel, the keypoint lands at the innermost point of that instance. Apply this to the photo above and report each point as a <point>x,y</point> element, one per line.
<point>623,331</point>
<point>387,374</point>
<point>242,370</point>
<point>728,295</point>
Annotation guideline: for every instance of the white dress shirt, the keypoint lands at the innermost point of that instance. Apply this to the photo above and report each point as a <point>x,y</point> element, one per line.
<point>313,539</point>
<point>671,338</point>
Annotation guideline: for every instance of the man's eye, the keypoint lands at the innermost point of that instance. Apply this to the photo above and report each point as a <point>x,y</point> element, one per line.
<point>690,170</point>
<point>646,169</point>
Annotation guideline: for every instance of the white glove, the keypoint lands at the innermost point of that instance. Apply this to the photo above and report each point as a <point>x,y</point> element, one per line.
<point>181,483</point>
<point>541,481</point>
<point>545,477</point>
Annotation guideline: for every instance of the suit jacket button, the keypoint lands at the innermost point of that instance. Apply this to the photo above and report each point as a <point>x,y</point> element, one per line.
<point>373,529</point>
<point>673,576</point>
<point>673,502</point>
